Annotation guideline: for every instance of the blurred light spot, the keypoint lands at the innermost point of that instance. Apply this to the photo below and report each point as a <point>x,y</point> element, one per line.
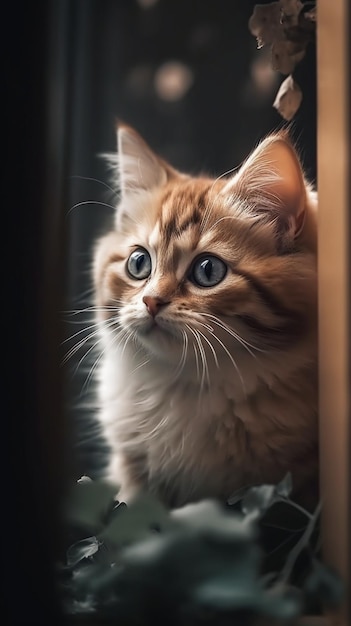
<point>262,82</point>
<point>172,81</point>
<point>263,75</point>
<point>147,4</point>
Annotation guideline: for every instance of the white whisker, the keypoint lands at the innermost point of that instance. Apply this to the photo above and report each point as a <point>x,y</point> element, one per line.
<point>208,209</point>
<point>182,359</point>
<point>205,373</point>
<point>84,340</point>
<point>234,334</point>
<point>210,344</point>
<point>231,359</point>
<point>92,368</point>
<point>109,325</point>
<point>116,340</point>
<point>195,353</point>
<point>88,293</point>
<point>77,347</point>
<point>90,309</point>
<point>138,367</point>
<point>129,335</point>
<point>85,202</point>
<point>221,219</point>
<point>95,180</point>
<point>79,332</point>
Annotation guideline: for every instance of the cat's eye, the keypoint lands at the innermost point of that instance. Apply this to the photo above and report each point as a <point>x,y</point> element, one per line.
<point>208,271</point>
<point>139,264</point>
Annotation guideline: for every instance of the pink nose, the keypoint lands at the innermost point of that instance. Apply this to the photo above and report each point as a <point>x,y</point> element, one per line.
<point>154,304</point>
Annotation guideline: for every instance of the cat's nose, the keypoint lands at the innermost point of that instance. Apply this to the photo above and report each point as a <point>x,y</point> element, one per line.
<point>154,304</point>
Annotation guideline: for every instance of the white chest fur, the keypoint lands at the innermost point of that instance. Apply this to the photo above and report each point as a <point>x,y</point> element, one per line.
<point>207,438</point>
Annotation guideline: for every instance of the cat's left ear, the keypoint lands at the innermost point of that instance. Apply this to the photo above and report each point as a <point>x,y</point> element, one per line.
<point>139,168</point>
<point>272,181</point>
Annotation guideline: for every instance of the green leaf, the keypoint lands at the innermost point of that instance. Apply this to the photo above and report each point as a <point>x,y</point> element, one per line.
<point>88,504</point>
<point>237,496</point>
<point>284,488</point>
<point>282,603</point>
<point>258,500</point>
<point>138,520</point>
<point>145,565</point>
<point>205,543</point>
<point>225,594</point>
<point>209,516</point>
<point>233,595</point>
<point>82,550</point>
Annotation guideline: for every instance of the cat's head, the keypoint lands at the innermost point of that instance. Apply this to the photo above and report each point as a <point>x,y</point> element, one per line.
<point>223,267</point>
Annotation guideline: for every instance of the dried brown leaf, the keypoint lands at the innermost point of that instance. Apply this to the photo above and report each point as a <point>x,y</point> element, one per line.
<point>291,10</point>
<point>285,56</point>
<point>311,15</point>
<point>288,98</point>
<point>265,24</point>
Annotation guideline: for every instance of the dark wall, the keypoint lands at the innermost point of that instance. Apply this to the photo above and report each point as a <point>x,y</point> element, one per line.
<point>33,449</point>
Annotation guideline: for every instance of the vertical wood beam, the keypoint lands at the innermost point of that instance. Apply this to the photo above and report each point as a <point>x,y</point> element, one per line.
<point>333,63</point>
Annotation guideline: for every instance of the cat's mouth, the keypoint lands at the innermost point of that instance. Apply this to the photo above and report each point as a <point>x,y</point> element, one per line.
<point>158,327</point>
<point>152,327</point>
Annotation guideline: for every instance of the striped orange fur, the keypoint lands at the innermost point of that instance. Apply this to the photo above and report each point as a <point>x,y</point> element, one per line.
<point>206,292</point>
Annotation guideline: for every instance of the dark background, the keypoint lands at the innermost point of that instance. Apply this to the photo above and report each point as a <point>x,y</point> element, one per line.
<point>71,68</point>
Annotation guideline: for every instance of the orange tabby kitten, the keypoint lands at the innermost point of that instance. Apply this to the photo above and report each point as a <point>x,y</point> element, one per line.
<point>206,292</point>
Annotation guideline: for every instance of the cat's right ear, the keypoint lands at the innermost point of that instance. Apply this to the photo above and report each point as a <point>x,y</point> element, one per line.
<point>139,168</point>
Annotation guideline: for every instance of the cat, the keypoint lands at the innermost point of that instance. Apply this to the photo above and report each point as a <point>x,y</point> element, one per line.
<point>206,298</point>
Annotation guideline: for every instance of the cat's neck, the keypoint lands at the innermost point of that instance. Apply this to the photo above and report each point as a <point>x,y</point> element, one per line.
<point>142,374</point>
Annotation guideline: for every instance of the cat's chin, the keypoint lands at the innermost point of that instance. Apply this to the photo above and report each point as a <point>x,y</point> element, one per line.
<point>160,338</point>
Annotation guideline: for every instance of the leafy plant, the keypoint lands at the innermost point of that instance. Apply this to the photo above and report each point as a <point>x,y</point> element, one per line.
<point>252,559</point>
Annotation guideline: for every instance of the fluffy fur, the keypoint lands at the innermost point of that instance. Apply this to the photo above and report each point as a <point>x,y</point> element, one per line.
<point>207,389</point>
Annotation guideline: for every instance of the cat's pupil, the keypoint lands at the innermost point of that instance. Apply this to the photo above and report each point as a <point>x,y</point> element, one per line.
<point>139,261</point>
<point>207,268</point>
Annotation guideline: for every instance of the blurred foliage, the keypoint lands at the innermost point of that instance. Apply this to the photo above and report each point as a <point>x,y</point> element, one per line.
<point>251,560</point>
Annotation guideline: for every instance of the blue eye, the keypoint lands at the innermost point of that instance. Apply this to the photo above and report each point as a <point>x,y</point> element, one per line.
<point>139,264</point>
<point>208,271</point>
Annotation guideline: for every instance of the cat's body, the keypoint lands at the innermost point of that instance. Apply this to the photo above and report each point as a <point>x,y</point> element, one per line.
<point>208,379</point>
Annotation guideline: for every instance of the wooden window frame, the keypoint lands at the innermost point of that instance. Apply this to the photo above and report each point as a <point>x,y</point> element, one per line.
<point>334,157</point>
